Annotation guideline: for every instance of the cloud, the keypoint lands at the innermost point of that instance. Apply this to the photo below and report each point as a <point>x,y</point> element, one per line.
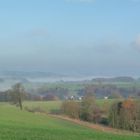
<point>136,43</point>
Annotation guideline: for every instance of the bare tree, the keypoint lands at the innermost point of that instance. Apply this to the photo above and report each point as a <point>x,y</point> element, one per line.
<point>17,94</point>
<point>89,110</point>
<point>71,108</point>
<point>125,115</point>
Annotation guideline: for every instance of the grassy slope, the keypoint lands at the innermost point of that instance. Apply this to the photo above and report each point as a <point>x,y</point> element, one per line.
<point>22,125</point>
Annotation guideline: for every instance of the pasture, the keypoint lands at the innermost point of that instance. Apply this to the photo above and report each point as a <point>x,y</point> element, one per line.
<point>48,106</point>
<point>23,125</point>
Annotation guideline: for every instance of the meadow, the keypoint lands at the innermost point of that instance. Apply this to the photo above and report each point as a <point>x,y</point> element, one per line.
<point>23,125</point>
<point>50,106</point>
<point>47,107</point>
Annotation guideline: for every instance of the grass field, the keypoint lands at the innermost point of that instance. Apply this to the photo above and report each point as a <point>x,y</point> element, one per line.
<point>22,125</point>
<point>55,105</point>
<point>45,106</point>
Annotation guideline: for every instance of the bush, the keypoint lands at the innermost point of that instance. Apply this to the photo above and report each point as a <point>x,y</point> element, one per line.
<point>89,110</point>
<point>86,110</point>
<point>71,108</point>
<point>34,110</point>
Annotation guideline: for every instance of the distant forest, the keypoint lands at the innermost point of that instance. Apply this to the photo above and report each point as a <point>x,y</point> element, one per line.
<point>118,87</point>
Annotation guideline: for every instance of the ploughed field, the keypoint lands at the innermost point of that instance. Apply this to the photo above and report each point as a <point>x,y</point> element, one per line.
<point>23,125</point>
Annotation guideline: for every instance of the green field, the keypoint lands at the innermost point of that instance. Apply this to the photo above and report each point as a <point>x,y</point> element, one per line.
<point>44,106</point>
<point>55,105</point>
<point>22,125</point>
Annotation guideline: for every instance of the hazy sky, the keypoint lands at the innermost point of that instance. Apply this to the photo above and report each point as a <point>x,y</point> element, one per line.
<point>95,37</point>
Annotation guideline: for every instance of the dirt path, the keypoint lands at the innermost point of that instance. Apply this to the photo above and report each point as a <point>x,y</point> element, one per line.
<point>95,126</point>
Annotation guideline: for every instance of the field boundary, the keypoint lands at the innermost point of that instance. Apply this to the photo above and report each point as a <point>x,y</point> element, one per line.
<point>93,126</point>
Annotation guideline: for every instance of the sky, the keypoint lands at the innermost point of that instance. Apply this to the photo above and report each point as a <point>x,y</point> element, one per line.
<point>90,37</point>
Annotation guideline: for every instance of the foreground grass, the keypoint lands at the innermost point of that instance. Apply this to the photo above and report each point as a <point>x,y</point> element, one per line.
<point>22,125</point>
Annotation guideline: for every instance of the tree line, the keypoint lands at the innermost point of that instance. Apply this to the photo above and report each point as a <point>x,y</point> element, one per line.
<point>121,114</point>
<point>125,115</point>
<point>86,110</point>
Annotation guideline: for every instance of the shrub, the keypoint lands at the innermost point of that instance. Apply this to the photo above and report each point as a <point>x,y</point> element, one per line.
<point>71,108</point>
<point>89,110</point>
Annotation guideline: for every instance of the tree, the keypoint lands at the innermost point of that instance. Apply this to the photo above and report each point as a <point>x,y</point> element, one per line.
<point>125,115</point>
<point>114,113</point>
<point>71,108</point>
<point>90,111</point>
<point>17,94</point>
<point>129,115</point>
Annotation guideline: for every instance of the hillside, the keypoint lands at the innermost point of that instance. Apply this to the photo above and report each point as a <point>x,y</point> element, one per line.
<point>22,125</point>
